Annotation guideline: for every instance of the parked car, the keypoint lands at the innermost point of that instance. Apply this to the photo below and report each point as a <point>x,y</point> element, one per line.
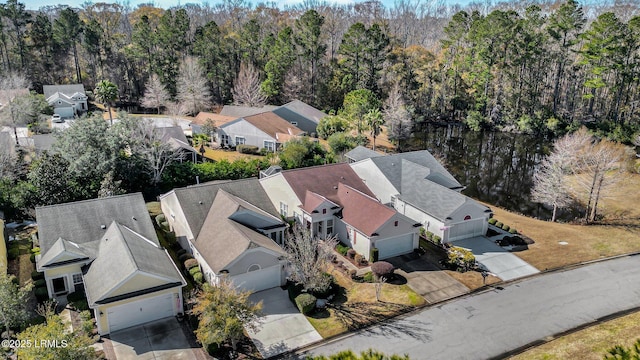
<point>56,118</point>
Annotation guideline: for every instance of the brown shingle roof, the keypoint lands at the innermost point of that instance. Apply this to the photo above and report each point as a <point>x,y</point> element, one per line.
<point>218,119</point>
<point>312,201</point>
<point>272,124</point>
<point>323,180</point>
<point>361,211</point>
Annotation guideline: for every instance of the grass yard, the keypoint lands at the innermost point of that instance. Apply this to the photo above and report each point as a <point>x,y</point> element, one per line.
<point>589,343</point>
<point>218,155</point>
<point>472,279</point>
<point>356,306</point>
<point>154,209</point>
<point>618,234</point>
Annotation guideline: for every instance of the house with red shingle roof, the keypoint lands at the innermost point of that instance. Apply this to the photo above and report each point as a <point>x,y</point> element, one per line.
<point>333,200</point>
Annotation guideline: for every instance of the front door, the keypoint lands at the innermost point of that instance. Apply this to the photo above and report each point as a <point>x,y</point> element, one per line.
<point>59,285</point>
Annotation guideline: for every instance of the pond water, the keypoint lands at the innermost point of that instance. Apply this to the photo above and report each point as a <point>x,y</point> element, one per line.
<point>495,167</point>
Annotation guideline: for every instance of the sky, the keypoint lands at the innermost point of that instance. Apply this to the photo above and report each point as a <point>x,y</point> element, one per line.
<point>36,4</point>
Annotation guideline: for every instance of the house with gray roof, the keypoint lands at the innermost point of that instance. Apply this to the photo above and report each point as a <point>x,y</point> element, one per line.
<point>108,248</point>
<point>67,100</point>
<point>301,115</point>
<point>175,137</point>
<point>238,111</point>
<point>360,153</point>
<point>418,186</point>
<point>232,230</point>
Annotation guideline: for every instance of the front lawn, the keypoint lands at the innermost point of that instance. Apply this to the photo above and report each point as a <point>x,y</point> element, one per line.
<point>355,306</point>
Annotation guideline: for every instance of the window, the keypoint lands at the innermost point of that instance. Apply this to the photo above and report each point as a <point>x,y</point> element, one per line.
<point>254,267</point>
<point>395,223</point>
<point>77,279</point>
<point>320,225</point>
<point>224,139</point>
<point>284,209</point>
<point>324,211</point>
<point>329,226</point>
<point>240,140</point>
<point>393,201</point>
<point>270,145</point>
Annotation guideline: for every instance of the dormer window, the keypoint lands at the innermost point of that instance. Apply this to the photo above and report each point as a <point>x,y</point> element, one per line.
<point>324,211</point>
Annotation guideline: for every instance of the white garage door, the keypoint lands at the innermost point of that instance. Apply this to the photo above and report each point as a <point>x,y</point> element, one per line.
<point>260,279</point>
<point>467,229</point>
<point>395,246</point>
<point>139,312</point>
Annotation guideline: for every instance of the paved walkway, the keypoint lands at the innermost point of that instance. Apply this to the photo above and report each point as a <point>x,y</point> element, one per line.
<point>500,262</point>
<point>283,327</point>
<point>426,278</point>
<point>489,324</point>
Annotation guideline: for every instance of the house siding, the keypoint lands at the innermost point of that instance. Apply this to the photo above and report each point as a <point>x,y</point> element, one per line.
<point>259,257</point>
<point>375,180</point>
<point>137,282</point>
<point>303,123</point>
<point>253,136</point>
<point>62,271</point>
<point>177,221</point>
<point>278,190</point>
<point>428,222</point>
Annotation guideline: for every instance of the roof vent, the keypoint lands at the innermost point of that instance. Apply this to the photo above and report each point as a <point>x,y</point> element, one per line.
<point>335,188</point>
<point>200,202</point>
<point>103,226</point>
<point>342,177</point>
<point>133,218</point>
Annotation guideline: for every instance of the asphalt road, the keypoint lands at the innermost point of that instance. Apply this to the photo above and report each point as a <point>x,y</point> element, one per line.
<point>491,323</point>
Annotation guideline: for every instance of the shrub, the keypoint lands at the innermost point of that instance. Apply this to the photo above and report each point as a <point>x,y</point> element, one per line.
<point>75,296</point>
<point>368,277</point>
<point>352,273</point>
<point>247,149</point>
<point>13,253</point>
<point>517,240</point>
<point>180,252</point>
<point>423,232</point>
<point>429,235</point>
<point>382,269</point>
<point>198,277</point>
<point>499,224</point>
<point>357,258</point>
<point>305,303</point>
<point>341,249</point>
<point>461,259</point>
<point>194,270</point>
<point>493,221</point>
<point>35,275</point>
<point>41,294</point>
<point>373,255</point>
<point>436,239</point>
<point>190,264</point>
<point>506,227</point>
<point>184,257</point>
<point>351,253</point>
<point>294,290</point>
<point>513,231</point>
<point>40,283</point>
<point>35,250</point>
<point>165,226</point>
<point>160,218</point>
<point>32,258</point>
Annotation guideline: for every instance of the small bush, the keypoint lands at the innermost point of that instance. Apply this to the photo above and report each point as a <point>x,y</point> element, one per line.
<point>368,277</point>
<point>513,231</point>
<point>185,257</point>
<point>35,275</point>
<point>517,240</point>
<point>493,221</point>
<point>41,294</point>
<point>80,305</point>
<point>194,270</point>
<point>198,278</point>
<point>180,252</point>
<point>247,149</point>
<point>429,235</point>
<point>461,259</point>
<point>423,231</point>
<point>212,349</point>
<point>305,303</point>
<point>294,290</point>
<point>35,250</point>
<point>373,255</point>
<point>32,258</point>
<point>165,226</point>
<point>499,224</point>
<point>40,283</point>
<point>190,264</point>
<point>160,218</point>
<point>382,269</point>
<point>76,296</point>
<point>357,258</point>
<point>13,253</point>
<point>351,253</point>
<point>506,227</point>
<point>341,249</point>
<point>436,239</point>
<point>352,273</point>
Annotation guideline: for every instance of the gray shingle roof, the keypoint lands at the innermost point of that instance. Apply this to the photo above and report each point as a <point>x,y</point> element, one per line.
<point>360,153</point>
<point>304,109</point>
<point>81,222</point>
<point>196,201</point>
<point>238,111</point>
<point>121,253</point>
<point>391,165</point>
<point>69,90</point>
<point>63,246</point>
<point>222,239</point>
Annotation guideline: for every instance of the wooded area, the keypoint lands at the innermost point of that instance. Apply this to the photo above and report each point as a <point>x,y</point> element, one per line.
<point>518,66</point>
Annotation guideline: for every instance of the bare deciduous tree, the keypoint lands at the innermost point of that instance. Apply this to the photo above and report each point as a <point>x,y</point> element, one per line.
<point>550,184</point>
<point>156,94</point>
<point>192,87</point>
<point>308,257</point>
<point>246,89</point>
<point>397,116</point>
<point>15,101</point>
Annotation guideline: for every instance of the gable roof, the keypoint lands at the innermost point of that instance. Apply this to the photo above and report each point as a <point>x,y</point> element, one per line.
<point>68,90</point>
<point>122,252</point>
<point>222,240</point>
<point>323,180</point>
<point>238,111</point>
<point>272,124</point>
<point>218,119</point>
<point>360,153</point>
<point>391,168</point>
<point>64,247</point>
<point>313,200</point>
<point>362,211</point>
<point>196,200</point>
<point>86,221</point>
<point>174,135</point>
<point>297,110</point>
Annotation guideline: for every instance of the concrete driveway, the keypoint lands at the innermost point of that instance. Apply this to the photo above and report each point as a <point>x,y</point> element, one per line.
<point>158,340</point>
<point>497,260</point>
<point>283,327</point>
<point>426,278</point>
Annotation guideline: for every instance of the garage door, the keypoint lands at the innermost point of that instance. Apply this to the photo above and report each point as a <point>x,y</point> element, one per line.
<point>467,229</point>
<point>395,246</point>
<point>260,279</point>
<point>139,312</point>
